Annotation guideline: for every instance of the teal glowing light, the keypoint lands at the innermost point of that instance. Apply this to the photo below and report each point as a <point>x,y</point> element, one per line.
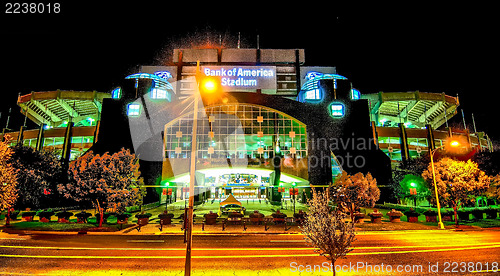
<point>116,93</point>
<point>159,94</point>
<point>337,110</point>
<point>355,94</point>
<point>91,120</point>
<point>133,109</point>
<point>144,76</point>
<point>158,82</point>
<point>314,77</point>
<point>312,95</point>
<point>413,184</point>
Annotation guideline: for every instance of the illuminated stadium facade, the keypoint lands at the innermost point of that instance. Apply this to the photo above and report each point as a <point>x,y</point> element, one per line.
<point>274,124</point>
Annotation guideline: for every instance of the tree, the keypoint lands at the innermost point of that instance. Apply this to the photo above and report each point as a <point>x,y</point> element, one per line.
<point>414,187</point>
<point>353,191</point>
<point>325,229</point>
<point>458,182</point>
<point>488,162</point>
<point>494,189</point>
<point>38,173</point>
<point>107,181</point>
<point>413,166</point>
<point>8,181</point>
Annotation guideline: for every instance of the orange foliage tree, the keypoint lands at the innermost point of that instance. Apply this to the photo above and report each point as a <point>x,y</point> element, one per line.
<point>106,181</point>
<point>8,179</point>
<point>457,182</point>
<point>353,191</point>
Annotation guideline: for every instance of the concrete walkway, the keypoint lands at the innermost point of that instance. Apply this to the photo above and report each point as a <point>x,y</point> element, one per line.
<point>198,228</point>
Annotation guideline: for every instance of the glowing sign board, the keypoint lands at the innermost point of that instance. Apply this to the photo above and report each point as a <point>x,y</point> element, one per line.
<point>164,74</point>
<point>337,110</point>
<point>243,77</point>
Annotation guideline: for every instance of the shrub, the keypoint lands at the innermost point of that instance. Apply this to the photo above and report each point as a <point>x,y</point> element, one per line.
<point>123,216</point>
<point>28,214</point>
<point>143,215</point>
<point>45,213</point>
<point>430,213</point>
<point>394,213</point>
<point>412,213</point>
<point>64,214</point>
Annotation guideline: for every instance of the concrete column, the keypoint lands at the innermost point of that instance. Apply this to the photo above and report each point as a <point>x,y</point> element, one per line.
<point>403,141</point>
<point>39,139</point>
<point>67,143</point>
<point>374,133</point>
<point>430,137</point>
<point>96,132</point>
<point>20,137</point>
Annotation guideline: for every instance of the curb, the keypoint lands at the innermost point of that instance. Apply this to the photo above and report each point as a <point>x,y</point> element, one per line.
<point>131,231</point>
<point>195,233</point>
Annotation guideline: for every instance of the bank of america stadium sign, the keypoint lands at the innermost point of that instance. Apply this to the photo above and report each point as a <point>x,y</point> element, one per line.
<point>243,77</point>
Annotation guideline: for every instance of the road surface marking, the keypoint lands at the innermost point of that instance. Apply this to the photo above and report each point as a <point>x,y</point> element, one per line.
<point>287,241</point>
<point>481,271</point>
<point>238,256</point>
<point>426,250</point>
<point>238,248</point>
<point>152,241</point>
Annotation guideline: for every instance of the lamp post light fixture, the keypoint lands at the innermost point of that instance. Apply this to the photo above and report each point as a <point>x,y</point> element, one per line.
<point>209,86</point>
<point>453,143</point>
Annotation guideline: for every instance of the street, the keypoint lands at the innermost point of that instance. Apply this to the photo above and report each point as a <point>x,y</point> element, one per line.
<point>423,252</point>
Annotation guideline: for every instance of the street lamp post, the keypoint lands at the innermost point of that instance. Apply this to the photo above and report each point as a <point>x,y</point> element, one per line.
<point>440,223</point>
<point>453,144</point>
<point>208,86</point>
<point>192,169</point>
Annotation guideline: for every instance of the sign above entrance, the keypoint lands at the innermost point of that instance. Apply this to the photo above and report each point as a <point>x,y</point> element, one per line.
<point>243,77</point>
<point>237,184</point>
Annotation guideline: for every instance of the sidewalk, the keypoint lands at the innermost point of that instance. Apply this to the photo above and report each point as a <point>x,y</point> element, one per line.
<point>154,228</point>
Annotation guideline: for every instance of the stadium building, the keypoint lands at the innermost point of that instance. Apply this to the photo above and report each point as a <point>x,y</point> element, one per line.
<point>270,124</point>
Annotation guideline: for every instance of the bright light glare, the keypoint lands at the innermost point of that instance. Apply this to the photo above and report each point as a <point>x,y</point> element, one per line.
<point>209,86</point>
<point>454,144</point>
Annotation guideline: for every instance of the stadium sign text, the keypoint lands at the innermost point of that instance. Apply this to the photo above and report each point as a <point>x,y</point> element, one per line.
<point>243,77</point>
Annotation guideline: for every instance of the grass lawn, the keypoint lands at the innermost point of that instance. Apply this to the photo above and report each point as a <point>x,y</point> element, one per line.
<point>69,227</point>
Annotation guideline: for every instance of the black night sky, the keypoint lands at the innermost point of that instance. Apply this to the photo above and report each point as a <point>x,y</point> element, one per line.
<point>92,46</point>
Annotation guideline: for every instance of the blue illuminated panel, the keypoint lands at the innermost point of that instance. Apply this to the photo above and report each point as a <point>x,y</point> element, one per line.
<point>164,74</point>
<point>116,93</point>
<point>133,109</point>
<point>314,77</point>
<point>337,110</point>
<point>312,95</point>
<point>159,94</point>
<point>355,94</point>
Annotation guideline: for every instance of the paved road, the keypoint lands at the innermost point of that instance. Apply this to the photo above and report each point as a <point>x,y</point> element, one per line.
<point>377,253</point>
